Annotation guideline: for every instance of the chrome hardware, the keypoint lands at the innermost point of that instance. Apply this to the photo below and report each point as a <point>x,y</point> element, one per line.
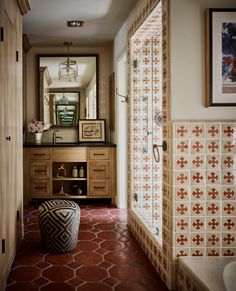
<point>155,149</point>
<point>158,118</point>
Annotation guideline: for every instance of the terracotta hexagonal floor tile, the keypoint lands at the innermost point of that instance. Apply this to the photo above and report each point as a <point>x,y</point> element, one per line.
<point>75,282</point>
<point>107,257</point>
<point>29,258</point>
<point>25,273</point>
<point>105,226</point>
<point>40,281</point>
<point>56,286</point>
<point>87,246</point>
<point>88,258</point>
<point>23,286</point>
<point>59,259</point>
<point>119,257</point>
<point>86,235</point>
<point>58,273</point>
<point>108,234</point>
<point>42,265</point>
<point>74,265</point>
<point>33,235</point>
<point>101,251</point>
<point>110,281</point>
<point>125,272</point>
<point>95,287</point>
<point>85,226</point>
<point>98,212</point>
<point>91,273</point>
<point>96,219</point>
<point>131,286</point>
<point>112,245</point>
<point>105,265</point>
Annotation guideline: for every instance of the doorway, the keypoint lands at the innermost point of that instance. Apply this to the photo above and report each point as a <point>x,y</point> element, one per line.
<point>122,113</point>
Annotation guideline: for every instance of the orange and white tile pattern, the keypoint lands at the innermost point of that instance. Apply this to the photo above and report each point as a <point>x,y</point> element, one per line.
<point>204,188</point>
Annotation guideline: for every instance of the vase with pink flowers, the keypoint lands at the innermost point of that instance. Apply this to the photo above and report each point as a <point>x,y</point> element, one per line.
<point>37,127</point>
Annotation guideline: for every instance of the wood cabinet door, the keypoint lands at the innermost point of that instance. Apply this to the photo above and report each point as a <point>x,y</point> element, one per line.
<point>39,170</point>
<point>99,170</point>
<point>99,188</point>
<point>40,188</point>
<point>99,154</point>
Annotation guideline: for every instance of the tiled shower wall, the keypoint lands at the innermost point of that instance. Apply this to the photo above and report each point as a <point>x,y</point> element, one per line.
<point>158,254</point>
<point>146,86</point>
<point>204,165</point>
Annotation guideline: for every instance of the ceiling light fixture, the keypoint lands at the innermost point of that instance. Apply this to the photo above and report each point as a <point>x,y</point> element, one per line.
<point>68,70</point>
<point>76,23</point>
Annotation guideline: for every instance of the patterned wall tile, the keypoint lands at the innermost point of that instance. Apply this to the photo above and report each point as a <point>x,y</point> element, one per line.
<point>213,131</point>
<point>213,223</point>
<point>197,223</point>
<point>197,146</point>
<point>205,207</point>
<point>198,161</point>
<point>197,130</point>
<point>181,130</point>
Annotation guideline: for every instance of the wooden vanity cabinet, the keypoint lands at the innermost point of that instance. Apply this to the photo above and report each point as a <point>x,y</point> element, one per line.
<point>39,167</point>
<point>100,177</point>
<point>41,178</point>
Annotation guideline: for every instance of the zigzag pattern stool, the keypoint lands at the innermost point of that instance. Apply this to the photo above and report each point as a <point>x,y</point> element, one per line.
<point>59,224</point>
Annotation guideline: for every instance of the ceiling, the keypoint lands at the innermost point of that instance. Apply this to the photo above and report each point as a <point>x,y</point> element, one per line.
<point>46,23</point>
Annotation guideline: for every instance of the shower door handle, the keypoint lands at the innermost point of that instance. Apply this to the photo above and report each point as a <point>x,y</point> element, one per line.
<point>155,149</point>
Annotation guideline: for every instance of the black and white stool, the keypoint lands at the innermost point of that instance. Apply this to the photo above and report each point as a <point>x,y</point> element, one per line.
<point>59,224</point>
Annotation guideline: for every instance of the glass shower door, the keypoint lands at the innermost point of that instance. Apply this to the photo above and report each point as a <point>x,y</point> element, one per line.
<point>145,123</point>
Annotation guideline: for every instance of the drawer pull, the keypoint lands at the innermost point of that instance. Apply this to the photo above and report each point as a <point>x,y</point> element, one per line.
<point>97,187</point>
<point>98,170</point>
<point>39,154</point>
<point>98,154</point>
<point>39,170</point>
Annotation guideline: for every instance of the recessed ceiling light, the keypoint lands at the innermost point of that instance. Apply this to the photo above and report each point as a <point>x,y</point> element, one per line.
<point>75,23</point>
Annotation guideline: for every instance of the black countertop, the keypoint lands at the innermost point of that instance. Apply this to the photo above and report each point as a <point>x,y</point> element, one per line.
<point>69,144</point>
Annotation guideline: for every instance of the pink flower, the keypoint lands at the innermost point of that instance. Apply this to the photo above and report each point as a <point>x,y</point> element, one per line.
<point>38,126</point>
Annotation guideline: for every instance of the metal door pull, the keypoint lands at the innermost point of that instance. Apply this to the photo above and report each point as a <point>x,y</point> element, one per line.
<point>155,149</point>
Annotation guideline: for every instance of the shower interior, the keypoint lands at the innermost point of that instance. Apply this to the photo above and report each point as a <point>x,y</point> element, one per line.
<point>146,144</point>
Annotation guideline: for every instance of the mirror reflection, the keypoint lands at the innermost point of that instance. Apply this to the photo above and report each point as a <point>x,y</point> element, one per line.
<point>67,89</point>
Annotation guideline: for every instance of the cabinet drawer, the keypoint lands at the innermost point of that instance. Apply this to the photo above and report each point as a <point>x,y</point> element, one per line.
<point>99,170</point>
<point>40,170</point>
<point>40,154</point>
<point>99,154</point>
<point>99,188</point>
<point>40,188</point>
<point>69,155</point>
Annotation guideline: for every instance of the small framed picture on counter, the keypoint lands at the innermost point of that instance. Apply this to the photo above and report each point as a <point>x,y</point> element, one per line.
<point>92,130</point>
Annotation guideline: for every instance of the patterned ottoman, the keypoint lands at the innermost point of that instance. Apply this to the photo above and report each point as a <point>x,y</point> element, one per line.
<point>59,225</point>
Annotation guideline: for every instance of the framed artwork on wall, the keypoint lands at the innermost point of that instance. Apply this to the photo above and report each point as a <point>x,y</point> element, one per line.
<point>220,86</point>
<point>92,130</point>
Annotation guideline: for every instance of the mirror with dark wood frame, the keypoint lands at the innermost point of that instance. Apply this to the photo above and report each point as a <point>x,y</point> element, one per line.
<point>63,99</point>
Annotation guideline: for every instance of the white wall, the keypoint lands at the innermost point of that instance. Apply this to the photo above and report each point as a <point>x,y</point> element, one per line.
<point>187,60</point>
<point>121,39</point>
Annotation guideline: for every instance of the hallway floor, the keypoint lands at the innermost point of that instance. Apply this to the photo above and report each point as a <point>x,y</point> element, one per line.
<point>107,257</point>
